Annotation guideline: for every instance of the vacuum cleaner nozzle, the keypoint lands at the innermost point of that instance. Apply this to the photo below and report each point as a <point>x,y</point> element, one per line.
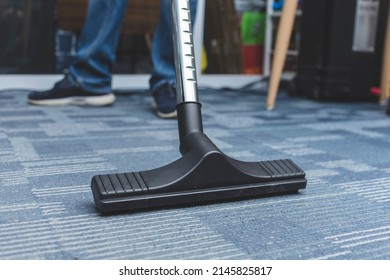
<point>202,174</point>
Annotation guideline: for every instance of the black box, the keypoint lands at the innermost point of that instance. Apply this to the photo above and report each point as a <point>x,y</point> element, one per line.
<point>340,56</point>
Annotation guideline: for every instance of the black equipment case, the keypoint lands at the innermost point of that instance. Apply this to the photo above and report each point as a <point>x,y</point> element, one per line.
<point>340,56</point>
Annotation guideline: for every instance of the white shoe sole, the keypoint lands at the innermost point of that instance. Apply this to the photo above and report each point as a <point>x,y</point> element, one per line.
<point>170,115</point>
<point>103,100</point>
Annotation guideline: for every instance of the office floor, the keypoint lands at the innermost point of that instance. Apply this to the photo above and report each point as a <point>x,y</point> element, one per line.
<point>49,155</point>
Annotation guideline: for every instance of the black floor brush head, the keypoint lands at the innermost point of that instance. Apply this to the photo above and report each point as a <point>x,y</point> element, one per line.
<point>204,174</point>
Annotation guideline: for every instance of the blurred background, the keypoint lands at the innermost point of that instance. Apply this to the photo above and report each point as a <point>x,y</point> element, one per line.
<point>335,51</point>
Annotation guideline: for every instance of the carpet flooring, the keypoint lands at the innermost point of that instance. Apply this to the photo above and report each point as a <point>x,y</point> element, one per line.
<point>48,156</point>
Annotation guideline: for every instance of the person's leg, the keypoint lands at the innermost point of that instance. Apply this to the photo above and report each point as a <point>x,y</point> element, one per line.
<point>163,76</point>
<point>95,58</point>
<point>89,78</point>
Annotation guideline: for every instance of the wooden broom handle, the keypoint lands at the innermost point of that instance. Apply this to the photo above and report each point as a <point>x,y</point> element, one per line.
<point>282,41</point>
<point>385,79</point>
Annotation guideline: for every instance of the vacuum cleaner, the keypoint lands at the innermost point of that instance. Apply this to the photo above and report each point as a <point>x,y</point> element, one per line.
<point>203,174</point>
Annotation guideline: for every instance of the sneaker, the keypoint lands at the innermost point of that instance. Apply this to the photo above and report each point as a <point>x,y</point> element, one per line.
<point>165,101</point>
<point>65,93</point>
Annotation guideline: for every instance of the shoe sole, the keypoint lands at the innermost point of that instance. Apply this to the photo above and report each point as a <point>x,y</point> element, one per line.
<point>104,100</point>
<point>171,115</point>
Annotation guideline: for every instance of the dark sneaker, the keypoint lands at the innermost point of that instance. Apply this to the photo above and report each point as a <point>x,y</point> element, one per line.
<point>65,93</point>
<point>165,101</point>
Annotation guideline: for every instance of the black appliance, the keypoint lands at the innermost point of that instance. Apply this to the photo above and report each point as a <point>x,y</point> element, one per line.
<point>340,56</point>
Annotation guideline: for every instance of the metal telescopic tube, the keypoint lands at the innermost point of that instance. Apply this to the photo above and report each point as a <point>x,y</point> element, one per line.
<point>186,83</point>
<point>188,107</point>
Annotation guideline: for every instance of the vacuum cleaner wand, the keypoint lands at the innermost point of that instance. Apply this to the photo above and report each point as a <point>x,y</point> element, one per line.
<point>203,173</point>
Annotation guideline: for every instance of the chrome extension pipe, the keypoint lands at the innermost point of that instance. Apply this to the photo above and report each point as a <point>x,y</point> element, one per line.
<point>186,80</point>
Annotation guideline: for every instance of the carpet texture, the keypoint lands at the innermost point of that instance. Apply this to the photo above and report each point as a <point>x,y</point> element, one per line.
<point>49,155</point>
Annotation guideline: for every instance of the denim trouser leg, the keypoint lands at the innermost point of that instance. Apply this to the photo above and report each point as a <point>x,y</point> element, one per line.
<point>92,69</point>
<point>162,47</point>
<point>96,54</point>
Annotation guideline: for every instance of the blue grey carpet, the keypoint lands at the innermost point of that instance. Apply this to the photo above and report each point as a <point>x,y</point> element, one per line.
<point>49,155</point>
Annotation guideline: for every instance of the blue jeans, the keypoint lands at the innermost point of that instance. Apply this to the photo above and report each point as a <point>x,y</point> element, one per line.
<point>92,69</point>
